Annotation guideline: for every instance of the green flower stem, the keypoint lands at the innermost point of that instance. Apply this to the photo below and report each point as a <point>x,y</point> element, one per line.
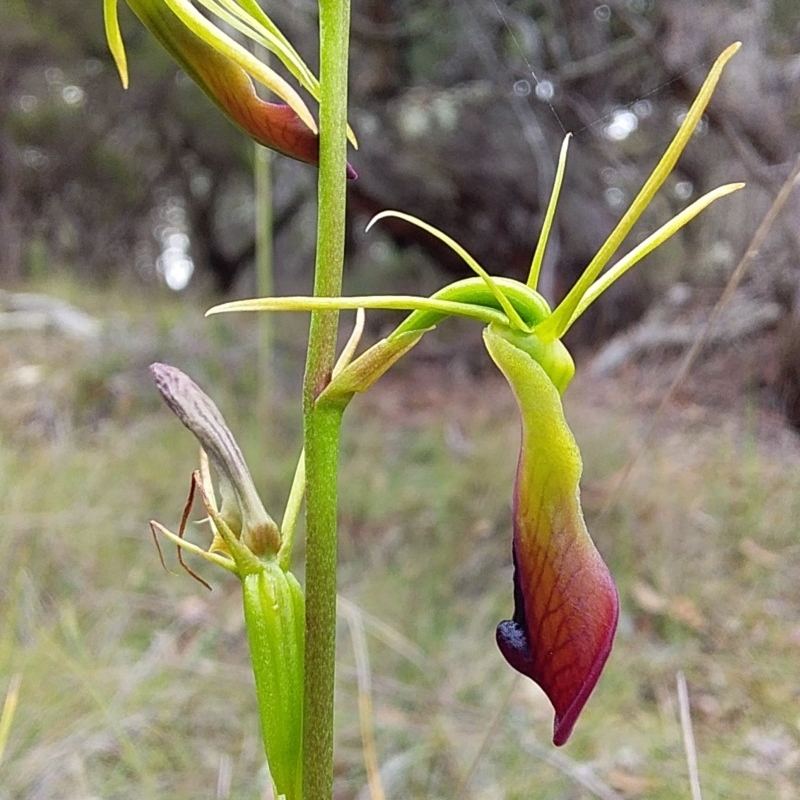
<point>322,423</point>
<point>322,446</point>
<point>265,283</point>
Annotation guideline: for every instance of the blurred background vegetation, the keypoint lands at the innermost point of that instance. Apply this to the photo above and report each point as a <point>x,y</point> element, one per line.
<point>123,215</point>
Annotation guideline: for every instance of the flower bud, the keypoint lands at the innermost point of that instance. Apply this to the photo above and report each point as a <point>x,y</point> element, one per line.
<point>225,70</point>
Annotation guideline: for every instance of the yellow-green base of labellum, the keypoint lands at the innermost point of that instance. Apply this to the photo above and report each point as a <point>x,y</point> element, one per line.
<point>274,611</point>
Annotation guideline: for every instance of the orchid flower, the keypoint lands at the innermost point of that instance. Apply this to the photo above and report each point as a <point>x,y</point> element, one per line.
<point>565,602</point>
<point>247,542</point>
<point>225,70</point>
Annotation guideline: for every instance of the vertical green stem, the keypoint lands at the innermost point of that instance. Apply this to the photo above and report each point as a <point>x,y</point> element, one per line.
<point>264,280</point>
<point>322,424</point>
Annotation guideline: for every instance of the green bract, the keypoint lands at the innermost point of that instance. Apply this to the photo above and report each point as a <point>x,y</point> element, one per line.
<point>274,615</point>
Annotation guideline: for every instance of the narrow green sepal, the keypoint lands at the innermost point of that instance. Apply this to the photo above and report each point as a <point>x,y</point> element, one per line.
<point>114,39</point>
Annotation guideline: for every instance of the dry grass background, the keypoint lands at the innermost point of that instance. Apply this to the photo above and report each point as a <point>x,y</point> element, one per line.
<point>135,682</point>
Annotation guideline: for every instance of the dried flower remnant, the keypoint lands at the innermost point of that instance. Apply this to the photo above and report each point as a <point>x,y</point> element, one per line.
<point>247,542</point>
